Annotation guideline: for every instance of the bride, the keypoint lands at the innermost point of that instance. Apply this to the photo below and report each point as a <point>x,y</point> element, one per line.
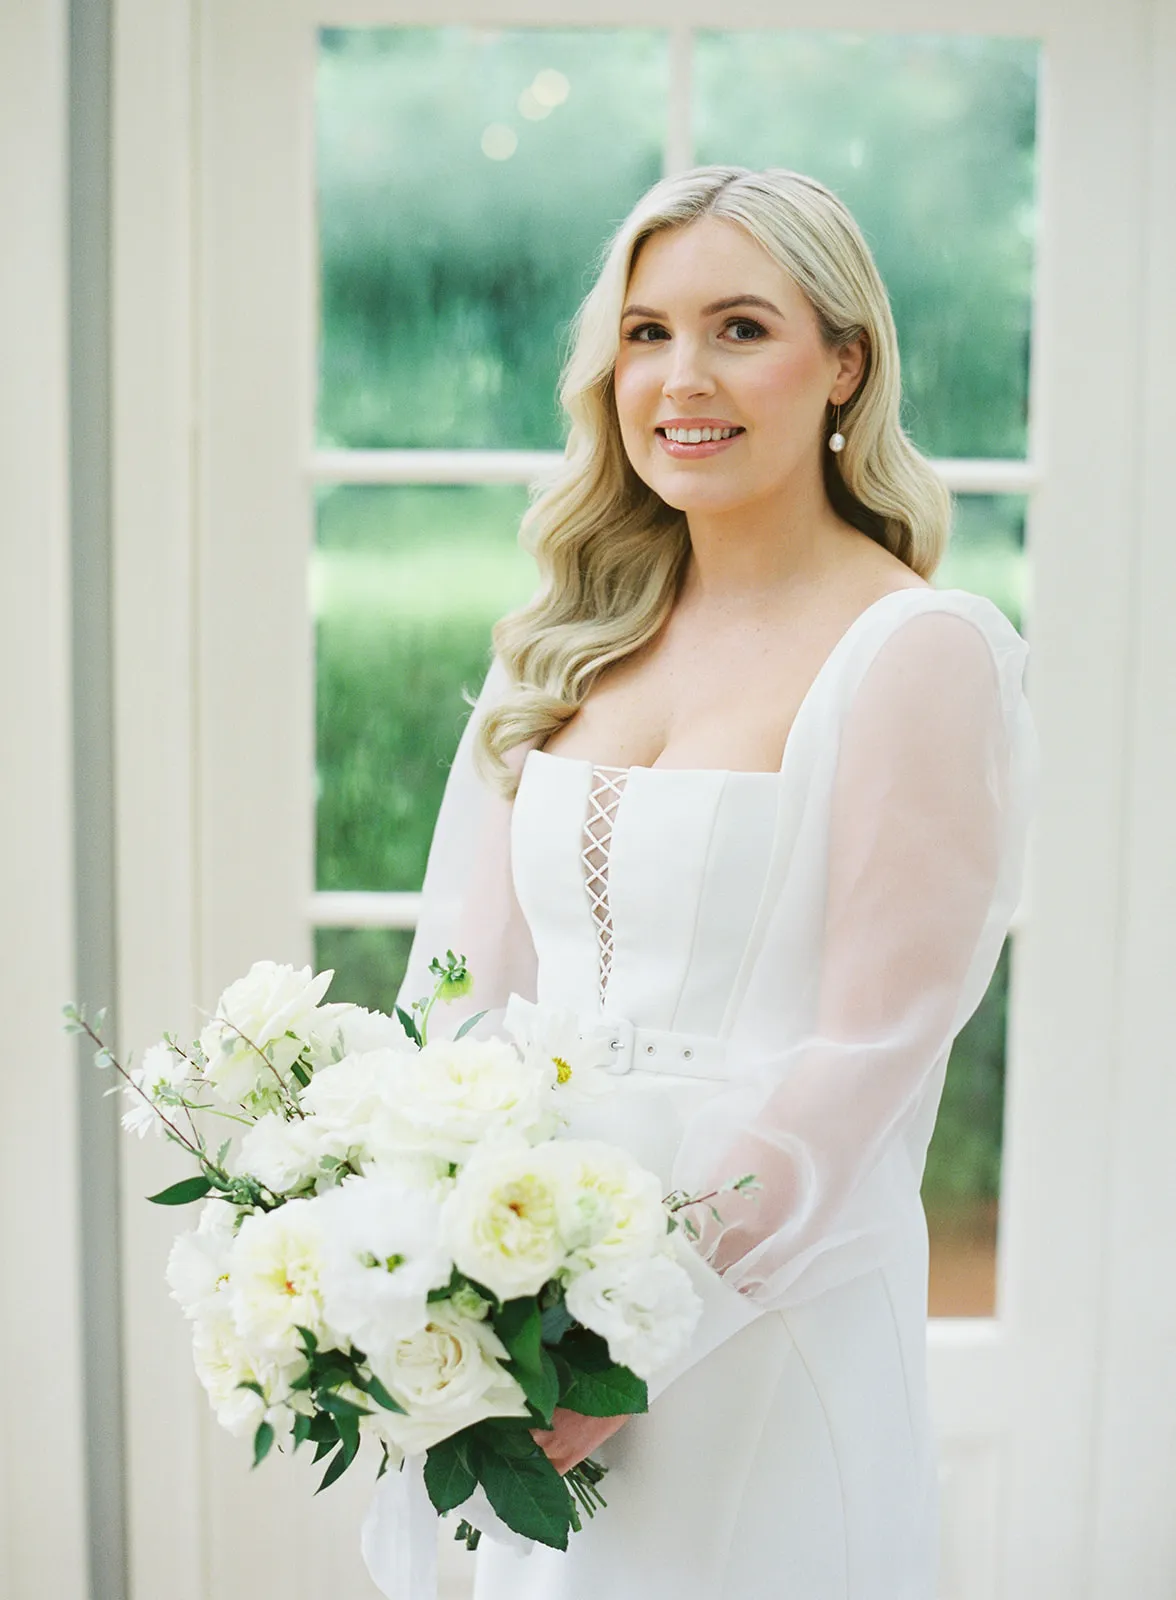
<point>747,798</point>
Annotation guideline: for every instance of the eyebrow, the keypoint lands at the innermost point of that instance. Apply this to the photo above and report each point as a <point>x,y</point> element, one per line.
<point>708,311</point>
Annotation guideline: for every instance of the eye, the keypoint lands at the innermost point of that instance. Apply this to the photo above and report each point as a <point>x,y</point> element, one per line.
<point>744,330</point>
<point>646,333</point>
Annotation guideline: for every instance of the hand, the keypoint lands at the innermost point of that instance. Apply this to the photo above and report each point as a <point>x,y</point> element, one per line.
<point>573,1436</point>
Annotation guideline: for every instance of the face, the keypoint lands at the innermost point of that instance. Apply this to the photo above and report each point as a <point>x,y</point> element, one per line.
<point>717,339</point>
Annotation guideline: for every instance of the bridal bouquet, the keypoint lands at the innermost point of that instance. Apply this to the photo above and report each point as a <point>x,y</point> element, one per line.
<point>401,1244</point>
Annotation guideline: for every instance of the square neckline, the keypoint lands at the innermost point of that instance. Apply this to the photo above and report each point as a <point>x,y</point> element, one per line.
<point>757,772</point>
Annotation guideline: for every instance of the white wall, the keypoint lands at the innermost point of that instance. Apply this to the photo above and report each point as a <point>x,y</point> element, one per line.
<point>42,1541</point>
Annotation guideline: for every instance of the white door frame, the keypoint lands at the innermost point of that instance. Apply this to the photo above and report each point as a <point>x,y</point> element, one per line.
<point>1046,1467</point>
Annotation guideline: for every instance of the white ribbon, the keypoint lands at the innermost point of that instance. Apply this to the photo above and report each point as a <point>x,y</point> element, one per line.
<point>399,1534</point>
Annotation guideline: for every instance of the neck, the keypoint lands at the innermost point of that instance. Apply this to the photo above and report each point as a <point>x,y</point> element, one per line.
<point>754,554</point>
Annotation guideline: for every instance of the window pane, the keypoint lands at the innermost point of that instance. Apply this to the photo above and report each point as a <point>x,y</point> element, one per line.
<point>368,964</point>
<point>931,142</point>
<point>986,553</point>
<point>466,181</point>
<point>405,586</point>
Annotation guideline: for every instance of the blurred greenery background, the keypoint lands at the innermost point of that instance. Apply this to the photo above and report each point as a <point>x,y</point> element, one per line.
<point>467,181</point>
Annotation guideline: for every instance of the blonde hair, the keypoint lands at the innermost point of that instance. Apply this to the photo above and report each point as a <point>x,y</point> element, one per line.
<point>611,553</point>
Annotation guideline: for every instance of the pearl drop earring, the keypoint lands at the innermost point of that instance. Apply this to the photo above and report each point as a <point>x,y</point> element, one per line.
<point>837,441</point>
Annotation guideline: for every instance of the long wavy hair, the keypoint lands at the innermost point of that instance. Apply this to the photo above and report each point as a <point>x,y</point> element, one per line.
<point>611,553</point>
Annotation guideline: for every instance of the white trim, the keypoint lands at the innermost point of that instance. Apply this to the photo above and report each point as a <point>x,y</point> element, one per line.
<point>42,1444</point>
<point>961,476</point>
<point>363,909</point>
<point>679,153</point>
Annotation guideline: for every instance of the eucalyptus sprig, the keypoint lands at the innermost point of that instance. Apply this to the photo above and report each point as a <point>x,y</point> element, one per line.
<point>679,1200</point>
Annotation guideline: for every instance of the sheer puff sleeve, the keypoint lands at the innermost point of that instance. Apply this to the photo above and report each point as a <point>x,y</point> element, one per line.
<point>468,903</point>
<point>905,876</point>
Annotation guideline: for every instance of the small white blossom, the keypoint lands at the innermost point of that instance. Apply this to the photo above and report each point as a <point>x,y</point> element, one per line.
<point>223,1362</point>
<point>163,1069</point>
<point>645,1310</point>
<point>575,1066</point>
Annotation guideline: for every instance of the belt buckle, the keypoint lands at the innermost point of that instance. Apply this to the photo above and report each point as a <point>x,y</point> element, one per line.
<point>616,1034</point>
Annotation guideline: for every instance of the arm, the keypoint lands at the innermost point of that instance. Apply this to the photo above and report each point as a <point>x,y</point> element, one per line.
<point>468,902</point>
<point>910,897</point>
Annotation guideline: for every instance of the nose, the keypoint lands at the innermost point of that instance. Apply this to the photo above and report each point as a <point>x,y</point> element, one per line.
<point>687,372</point>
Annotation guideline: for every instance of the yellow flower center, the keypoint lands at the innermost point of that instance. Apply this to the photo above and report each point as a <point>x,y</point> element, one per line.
<point>562,1070</point>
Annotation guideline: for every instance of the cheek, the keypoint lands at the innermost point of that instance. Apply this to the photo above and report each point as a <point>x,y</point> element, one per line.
<point>635,389</point>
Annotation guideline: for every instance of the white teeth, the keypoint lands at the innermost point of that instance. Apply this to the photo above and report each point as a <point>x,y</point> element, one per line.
<point>698,435</point>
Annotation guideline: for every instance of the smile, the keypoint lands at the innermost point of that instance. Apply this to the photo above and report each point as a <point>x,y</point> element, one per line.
<point>705,440</point>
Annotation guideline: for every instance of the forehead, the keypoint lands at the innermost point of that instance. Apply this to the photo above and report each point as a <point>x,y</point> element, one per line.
<point>706,260</point>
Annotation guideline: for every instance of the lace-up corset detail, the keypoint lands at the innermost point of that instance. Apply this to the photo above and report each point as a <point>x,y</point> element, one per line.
<point>604,796</point>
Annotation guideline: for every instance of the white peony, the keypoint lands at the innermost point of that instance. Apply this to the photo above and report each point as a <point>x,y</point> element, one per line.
<point>223,1362</point>
<point>286,1155</point>
<point>382,1255</point>
<point>162,1069</point>
<point>501,1221</point>
<point>610,1206</point>
<point>273,1009</point>
<point>645,1310</point>
<point>198,1266</point>
<point>355,1031</point>
<point>449,1096</point>
<point>275,1278</point>
<point>447,1376</point>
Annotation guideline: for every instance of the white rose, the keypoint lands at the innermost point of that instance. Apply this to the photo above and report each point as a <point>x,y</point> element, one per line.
<point>447,1377</point>
<point>645,1310</point>
<point>198,1266</point>
<point>382,1256</point>
<point>501,1220</point>
<point>162,1069</point>
<point>275,1278</point>
<point>273,1008</point>
<point>286,1155</point>
<point>610,1206</point>
<point>452,1094</point>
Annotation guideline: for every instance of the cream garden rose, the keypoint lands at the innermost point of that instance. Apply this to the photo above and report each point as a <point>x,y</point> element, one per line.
<point>455,1093</point>
<point>275,1269</point>
<point>610,1207</point>
<point>501,1222</point>
<point>646,1310</point>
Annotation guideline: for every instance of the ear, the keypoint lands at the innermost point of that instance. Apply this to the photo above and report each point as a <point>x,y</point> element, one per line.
<point>852,358</point>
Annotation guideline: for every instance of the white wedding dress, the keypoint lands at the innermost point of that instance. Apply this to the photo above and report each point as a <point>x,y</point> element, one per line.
<point>775,965</point>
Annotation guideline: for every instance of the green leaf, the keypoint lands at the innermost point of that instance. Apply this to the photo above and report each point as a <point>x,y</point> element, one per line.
<point>372,1386</point>
<point>309,1342</point>
<point>409,1025</point>
<point>541,1388</point>
<point>333,1376</point>
<point>301,1429</point>
<point>262,1440</point>
<point>527,1493</point>
<point>341,1408</point>
<point>336,1467</point>
<point>300,1074</point>
<point>449,1477</point>
<point>322,1428</point>
<point>615,1392</point>
<point>470,1022</point>
<point>349,1433</point>
<point>520,1327</point>
<point>254,1388</point>
<point>223,1152</point>
<point>555,1322</point>
<point>182,1193</point>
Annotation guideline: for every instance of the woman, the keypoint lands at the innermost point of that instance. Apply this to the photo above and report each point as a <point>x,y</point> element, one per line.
<point>748,798</point>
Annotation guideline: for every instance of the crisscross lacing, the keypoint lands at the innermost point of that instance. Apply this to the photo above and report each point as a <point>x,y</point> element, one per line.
<point>603,798</point>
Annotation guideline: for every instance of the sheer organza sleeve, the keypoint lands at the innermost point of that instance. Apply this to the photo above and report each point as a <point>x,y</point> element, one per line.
<point>468,903</point>
<point>908,874</point>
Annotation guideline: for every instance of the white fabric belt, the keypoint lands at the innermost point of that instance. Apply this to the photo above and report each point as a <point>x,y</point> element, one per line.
<point>625,1046</point>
